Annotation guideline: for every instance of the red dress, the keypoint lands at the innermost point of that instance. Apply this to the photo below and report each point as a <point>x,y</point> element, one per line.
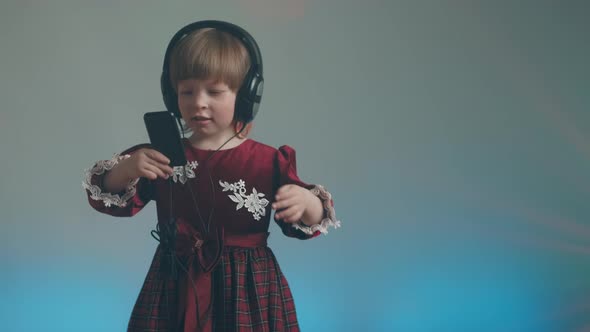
<point>212,270</point>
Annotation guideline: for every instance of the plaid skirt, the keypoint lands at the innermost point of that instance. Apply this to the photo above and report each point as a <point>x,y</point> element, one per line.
<point>249,293</point>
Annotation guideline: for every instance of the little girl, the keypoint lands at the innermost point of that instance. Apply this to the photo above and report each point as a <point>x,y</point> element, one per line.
<point>213,270</point>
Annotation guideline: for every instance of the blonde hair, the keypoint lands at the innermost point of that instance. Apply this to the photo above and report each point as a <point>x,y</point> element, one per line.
<point>211,54</point>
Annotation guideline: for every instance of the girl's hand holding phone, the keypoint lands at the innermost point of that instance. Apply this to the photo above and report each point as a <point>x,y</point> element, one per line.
<point>146,163</point>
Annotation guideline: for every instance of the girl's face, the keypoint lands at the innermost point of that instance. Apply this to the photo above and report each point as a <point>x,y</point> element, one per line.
<point>207,107</point>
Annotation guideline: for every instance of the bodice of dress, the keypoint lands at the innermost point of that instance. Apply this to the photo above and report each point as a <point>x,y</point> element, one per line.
<point>230,188</point>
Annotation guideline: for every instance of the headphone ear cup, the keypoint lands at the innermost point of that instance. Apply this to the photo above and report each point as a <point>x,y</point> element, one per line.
<point>241,110</point>
<point>257,96</point>
<point>249,96</point>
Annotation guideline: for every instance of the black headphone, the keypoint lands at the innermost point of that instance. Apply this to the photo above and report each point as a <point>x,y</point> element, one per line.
<point>250,92</point>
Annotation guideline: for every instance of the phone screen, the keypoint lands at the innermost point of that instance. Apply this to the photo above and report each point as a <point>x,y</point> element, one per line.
<point>165,136</point>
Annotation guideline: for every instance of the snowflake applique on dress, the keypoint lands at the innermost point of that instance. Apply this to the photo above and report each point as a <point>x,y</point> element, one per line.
<point>183,173</point>
<point>254,202</point>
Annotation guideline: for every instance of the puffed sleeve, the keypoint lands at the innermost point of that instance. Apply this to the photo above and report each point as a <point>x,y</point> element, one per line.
<point>286,165</point>
<point>126,203</point>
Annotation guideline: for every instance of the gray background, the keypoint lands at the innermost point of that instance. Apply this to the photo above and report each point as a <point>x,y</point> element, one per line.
<point>454,136</point>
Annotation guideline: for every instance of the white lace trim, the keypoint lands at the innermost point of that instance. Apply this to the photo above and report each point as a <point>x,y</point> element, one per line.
<point>330,219</point>
<point>183,173</point>
<point>96,193</point>
<point>255,203</point>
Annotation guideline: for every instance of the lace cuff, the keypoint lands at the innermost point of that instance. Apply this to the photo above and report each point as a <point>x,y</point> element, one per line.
<point>329,214</point>
<point>107,198</point>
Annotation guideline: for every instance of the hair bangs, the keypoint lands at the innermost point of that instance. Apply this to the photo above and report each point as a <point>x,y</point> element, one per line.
<point>209,54</point>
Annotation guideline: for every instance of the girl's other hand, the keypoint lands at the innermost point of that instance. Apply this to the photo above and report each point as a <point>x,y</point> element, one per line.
<point>291,202</point>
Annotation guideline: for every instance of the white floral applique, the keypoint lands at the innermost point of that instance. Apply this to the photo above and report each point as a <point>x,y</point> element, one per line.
<point>183,173</point>
<point>254,202</point>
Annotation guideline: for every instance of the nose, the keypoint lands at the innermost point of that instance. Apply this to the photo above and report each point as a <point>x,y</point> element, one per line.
<point>202,100</point>
<point>199,99</point>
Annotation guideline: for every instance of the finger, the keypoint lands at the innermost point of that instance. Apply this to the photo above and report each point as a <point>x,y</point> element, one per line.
<point>165,168</point>
<point>155,170</point>
<point>169,170</point>
<point>292,214</point>
<point>293,218</point>
<point>148,174</point>
<point>284,203</point>
<point>286,193</point>
<point>157,156</point>
<point>284,190</point>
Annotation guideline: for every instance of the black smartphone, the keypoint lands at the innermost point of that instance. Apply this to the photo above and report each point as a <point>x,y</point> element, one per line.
<point>165,136</point>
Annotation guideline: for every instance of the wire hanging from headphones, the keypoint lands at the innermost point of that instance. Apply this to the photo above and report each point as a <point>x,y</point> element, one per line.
<point>167,236</point>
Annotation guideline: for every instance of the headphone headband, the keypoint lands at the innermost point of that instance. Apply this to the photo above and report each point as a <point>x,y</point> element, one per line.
<point>250,92</point>
<point>234,30</point>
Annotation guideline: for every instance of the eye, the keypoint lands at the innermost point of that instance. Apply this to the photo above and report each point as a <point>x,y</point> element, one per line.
<point>216,92</point>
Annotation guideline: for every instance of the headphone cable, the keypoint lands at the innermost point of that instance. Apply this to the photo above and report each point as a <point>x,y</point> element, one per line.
<point>170,235</point>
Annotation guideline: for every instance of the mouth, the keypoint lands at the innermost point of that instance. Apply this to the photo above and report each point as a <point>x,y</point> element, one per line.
<point>200,119</point>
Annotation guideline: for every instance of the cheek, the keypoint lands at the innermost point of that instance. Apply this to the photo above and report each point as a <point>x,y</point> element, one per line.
<point>184,115</point>
<point>231,105</point>
<point>181,105</point>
